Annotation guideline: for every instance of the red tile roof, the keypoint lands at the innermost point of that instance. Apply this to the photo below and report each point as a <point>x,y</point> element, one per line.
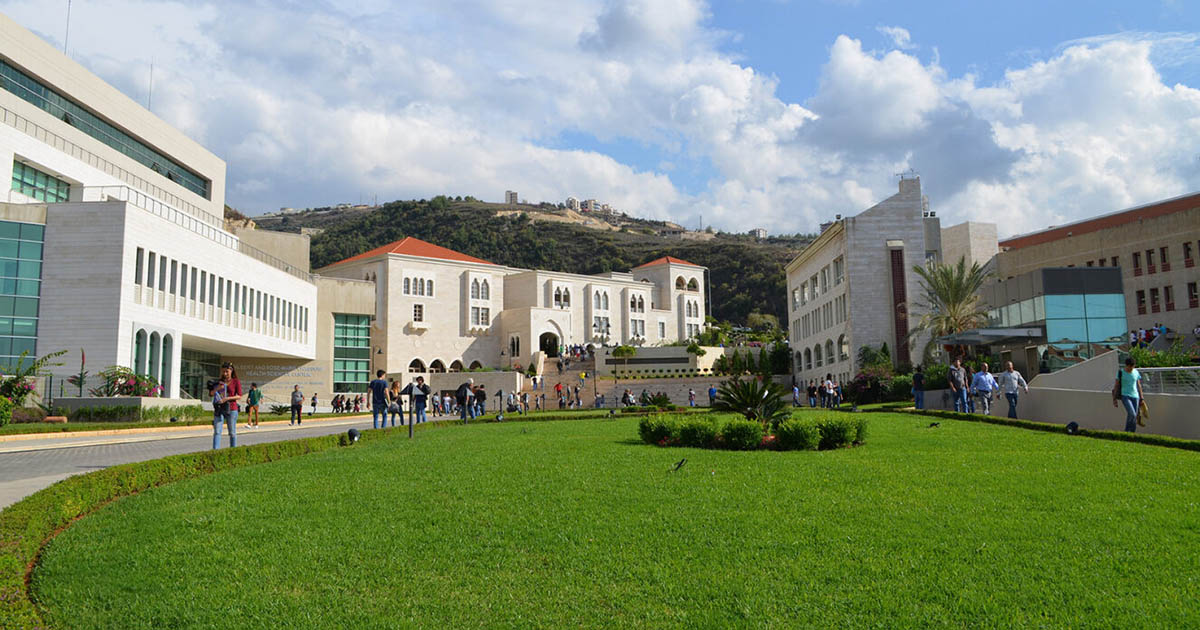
<point>1095,224</point>
<point>667,259</point>
<point>410,246</point>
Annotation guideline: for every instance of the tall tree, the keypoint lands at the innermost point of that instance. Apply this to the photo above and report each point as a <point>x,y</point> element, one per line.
<point>951,301</point>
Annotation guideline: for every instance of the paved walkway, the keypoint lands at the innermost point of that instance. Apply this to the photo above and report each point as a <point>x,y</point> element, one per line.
<point>28,465</point>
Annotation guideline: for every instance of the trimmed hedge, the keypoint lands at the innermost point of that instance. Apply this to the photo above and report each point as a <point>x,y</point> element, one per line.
<point>131,413</point>
<point>28,525</point>
<point>1119,436</point>
<point>739,434</point>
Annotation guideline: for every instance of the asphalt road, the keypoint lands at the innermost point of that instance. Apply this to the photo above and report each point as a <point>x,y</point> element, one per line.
<point>27,466</point>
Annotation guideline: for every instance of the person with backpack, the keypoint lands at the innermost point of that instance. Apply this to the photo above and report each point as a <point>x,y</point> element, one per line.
<point>418,393</point>
<point>225,393</point>
<point>1127,391</point>
<point>465,397</point>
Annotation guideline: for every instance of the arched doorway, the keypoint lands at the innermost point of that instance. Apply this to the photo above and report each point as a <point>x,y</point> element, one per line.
<point>475,365</point>
<point>456,366</point>
<point>416,365</point>
<point>548,343</point>
<point>437,366</point>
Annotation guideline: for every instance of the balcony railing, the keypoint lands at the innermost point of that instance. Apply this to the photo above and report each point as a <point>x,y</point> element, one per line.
<point>1176,380</point>
<point>140,200</point>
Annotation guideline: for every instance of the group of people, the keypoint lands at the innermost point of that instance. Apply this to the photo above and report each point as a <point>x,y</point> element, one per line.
<point>827,393</point>
<point>973,389</point>
<point>1142,337</point>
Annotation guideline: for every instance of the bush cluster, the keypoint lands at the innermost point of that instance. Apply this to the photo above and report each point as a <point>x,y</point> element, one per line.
<point>713,431</point>
<point>6,411</point>
<point>131,413</point>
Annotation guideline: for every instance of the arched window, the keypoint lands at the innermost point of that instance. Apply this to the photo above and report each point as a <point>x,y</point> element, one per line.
<point>416,365</point>
<point>155,355</point>
<point>558,297</point>
<point>596,300</point>
<point>807,359</point>
<point>604,301</point>
<point>407,286</point>
<point>485,292</point>
<point>456,366</point>
<point>843,348</point>
<point>167,351</point>
<point>566,297</point>
<point>680,284</point>
<point>514,346</point>
<point>421,286</point>
<point>475,365</point>
<point>429,288</point>
<point>641,305</point>
<point>830,357</point>
<point>139,351</point>
<point>693,285</point>
<point>474,289</point>
<point>799,361</point>
<point>633,303</point>
<point>817,355</point>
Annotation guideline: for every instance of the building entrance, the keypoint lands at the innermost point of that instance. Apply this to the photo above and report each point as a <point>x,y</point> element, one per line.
<point>548,344</point>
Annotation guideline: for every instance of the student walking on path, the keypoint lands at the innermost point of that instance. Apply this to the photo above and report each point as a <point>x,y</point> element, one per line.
<point>465,397</point>
<point>918,388</point>
<point>1010,380</point>
<point>379,400</point>
<point>225,394</point>
<point>1127,390</point>
<point>314,404</point>
<point>958,386</point>
<point>985,387</point>
<point>252,400</point>
<point>418,394</point>
<point>298,405</point>
<point>395,403</point>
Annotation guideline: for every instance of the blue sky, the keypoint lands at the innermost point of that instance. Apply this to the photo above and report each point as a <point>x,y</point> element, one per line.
<point>766,113</point>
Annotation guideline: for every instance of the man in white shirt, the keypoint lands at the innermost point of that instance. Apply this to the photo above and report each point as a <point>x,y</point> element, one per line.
<point>985,387</point>
<point>1010,381</point>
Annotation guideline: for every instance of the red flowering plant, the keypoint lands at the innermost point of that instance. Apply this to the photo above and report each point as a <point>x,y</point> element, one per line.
<point>16,384</point>
<point>121,381</point>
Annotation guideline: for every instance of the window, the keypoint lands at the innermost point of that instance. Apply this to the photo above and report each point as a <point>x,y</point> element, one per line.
<point>1193,295</point>
<point>407,286</point>
<point>162,273</point>
<point>795,299</point>
<point>31,182</point>
<point>138,266</point>
<point>839,270</point>
<point>1137,263</point>
<point>566,299</point>
<point>812,288</point>
<point>20,290</point>
<point>212,287</point>
<point>824,280</point>
<point>693,285</point>
<point>174,273</point>
<point>1089,263</point>
<point>662,330</point>
<point>1169,297</point>
<point>421,286</point>
<point>804,294</point>
<point>183,280</point>
<point>1187,254</point>
<point>1153,300</point>
<point>557,297</point>
<point>485,316</point>
<point>220,292</point>
<point>604,301</point>
<point>351,352</point>
<point>203,281</point>
<point>1150,258</point>
<point>62,108</point>
<point>1164,259</point>
<point>1116,260</point>
<point>485,292</point>
<point>418,312</point>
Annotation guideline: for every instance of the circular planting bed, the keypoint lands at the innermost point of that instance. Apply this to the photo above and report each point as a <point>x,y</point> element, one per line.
<point>579,523</point>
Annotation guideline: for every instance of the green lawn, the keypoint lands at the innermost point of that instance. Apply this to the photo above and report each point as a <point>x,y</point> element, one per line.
<point>576,523</point>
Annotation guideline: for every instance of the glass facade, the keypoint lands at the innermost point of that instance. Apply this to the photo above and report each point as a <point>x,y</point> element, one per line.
<point>20,289</point>
<point>351,352</point>
<point>195,369</point>
<point>31,182</point>
<point>30,89</point>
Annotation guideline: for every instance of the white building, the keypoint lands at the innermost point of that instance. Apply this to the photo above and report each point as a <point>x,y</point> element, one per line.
<point>572,203</point>
<point>759,233</point>
<point>440,310</point>
<point>112,237</point>
<point>511,197</point>
<point>855,286</point>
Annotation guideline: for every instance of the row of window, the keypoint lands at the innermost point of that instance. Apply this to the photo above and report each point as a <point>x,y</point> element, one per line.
<point>33,91</point>
<point>20,286</point>
<point>562,297</point>
<point>351,352</point>
<point>601,325</point>
<point>1168,298</point>
<point>1155,259</point>
<point>691,309</point>
<point>175,278</point>
<point>690,285</point>
<point>481,316</point>
<point>829,314</point>
<point>815,357</point>
<point>637,327</point>
<point>39,185</point>
<point>419,286</point>
<point>480,290</point>
<point>820,283</point>
<point>600,301</point>
<point>693,330</point>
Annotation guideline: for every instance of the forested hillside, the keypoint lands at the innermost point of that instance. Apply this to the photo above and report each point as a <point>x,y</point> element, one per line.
<point>746,276</point>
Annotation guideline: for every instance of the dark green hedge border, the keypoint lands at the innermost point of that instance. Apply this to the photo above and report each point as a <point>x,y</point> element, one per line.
<point>1118,436</point>
<point>27,526</point>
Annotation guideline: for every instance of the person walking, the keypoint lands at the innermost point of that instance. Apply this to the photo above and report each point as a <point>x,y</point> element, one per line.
<point>827,391</point>
<point>480,401</point>
<point>812,393</point>
<point>298,405</point>
<point>418,393</point>
<point>314,404</point>
<point>985,387</point>
<point>1010,380</point>
<point>795,395</point>
<point>918,388</point>
<point>465,397</point>
<point>379,400</point>
<point>252,400</point>
<point>691,397</point>
<point>1127,391</point>
<point>712,395</point>
<point>225,394</point>
<point>395,402</point>
<point>957,376</point>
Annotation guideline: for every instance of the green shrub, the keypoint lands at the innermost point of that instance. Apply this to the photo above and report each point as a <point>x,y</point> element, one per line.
<point>860,429</point>
<point>797,435</point>
<point>281,410</point>
<point>936,377</point>
<point>900,388</point>
<point>658,429</point>
<point>131,413</point>
<point>741,435</point>
<point>6,411</point>
<point>837,431</point>
<point>699,432</point>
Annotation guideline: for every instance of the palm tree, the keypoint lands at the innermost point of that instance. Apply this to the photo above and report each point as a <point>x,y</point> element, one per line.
<point>952,303</point>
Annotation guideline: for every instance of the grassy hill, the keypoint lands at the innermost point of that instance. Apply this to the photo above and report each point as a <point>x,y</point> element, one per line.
<point>746,275</point>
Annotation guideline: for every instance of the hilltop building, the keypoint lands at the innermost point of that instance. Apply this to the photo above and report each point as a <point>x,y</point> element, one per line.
<point>1155,245</point>
<point>572,204</point>
<point>758,233</point>
<point>854,286</point>
<point>511,197</point>
<point>439,310</point>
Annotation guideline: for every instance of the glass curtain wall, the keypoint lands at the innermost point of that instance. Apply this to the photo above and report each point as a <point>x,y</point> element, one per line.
<point>20,290</point>
<point>351,352</point>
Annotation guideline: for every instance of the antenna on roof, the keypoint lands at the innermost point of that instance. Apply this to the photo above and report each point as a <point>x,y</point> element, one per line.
<point>67,35</point>
<point>911,173</point>
<point>150,92</point>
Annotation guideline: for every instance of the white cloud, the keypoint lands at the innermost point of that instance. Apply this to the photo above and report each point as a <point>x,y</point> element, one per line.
<point>321,103</point>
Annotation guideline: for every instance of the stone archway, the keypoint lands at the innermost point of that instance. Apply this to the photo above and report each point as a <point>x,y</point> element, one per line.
<point>548,344</point>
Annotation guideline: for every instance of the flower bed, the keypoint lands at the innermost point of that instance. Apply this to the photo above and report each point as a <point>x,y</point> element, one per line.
<point>830,431</point>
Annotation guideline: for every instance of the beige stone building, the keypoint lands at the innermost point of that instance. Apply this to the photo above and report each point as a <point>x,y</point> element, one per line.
<point>1156,246</point>
<point>438,310</point>
<point>975,242</point>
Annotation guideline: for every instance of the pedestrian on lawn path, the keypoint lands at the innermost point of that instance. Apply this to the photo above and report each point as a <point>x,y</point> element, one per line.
<point>252,400</point>
<point>298,405</point>
<point>225,394</point>
<point>1127,390</point>
<point>1010,380</point>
